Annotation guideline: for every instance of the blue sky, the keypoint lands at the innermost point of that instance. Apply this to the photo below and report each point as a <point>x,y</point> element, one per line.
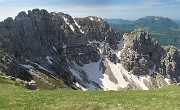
<point>125,9</point>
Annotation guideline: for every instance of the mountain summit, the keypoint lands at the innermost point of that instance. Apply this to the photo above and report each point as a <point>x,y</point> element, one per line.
<point>156,23</point>
<point>83,53</point>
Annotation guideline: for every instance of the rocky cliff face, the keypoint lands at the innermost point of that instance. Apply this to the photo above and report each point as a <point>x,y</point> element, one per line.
<point>144,54</point>
<point>84,53</point>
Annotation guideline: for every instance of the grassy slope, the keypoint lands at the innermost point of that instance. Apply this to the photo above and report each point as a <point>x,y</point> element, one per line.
<point>51,82</point>
<point>13,97</point>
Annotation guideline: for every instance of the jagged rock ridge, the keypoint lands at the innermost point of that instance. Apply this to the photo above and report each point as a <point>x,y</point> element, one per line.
<point>84,53</point>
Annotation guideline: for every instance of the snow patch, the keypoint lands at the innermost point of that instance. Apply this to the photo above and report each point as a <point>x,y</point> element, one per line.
<point>64,46</point>
<point>81,53</point>
<point>70,25</point>
<point>54,48</point>
<point>99,19</point>
<point>137,80</point>
<point>118,74</point>
<point>94,19</point>
<point>79,27</point>
<point>156,19</point>
<point>140,81</point>
<point>79,86</point>
<point>91,18</point>
<point>49,59</point>
<point>76,73</point>
<point>27,66</point>
<point>95,73</point>
<point>167,81</point>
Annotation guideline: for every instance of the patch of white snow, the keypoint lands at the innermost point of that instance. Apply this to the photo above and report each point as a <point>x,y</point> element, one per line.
<point>70,25</point>
<point>82,88</point>
<point>79,27</point>
<point>27,66</point>
<point>49,59</point>
<point>91,18</point>
<point>64,46</point>
<point>167,81</point>
<point>118,74</point>
<point>54,48</point>
<point>81,53</point>
<point>156,19</point>
<point>138,80</point>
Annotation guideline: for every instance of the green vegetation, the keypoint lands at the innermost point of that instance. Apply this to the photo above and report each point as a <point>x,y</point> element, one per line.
<point>167,39</point>
<point>158,24</point>
<point>14,97</point>
<point>164,30</point>
<point>135,32</point>
<point>47,82</point>
<point>7,85</point>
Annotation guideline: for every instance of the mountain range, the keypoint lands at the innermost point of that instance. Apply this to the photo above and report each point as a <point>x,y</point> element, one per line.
<point>164,30</point>
<point>53,50</point>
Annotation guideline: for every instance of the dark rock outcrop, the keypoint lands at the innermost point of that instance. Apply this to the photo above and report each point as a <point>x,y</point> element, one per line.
<point>32,37</point>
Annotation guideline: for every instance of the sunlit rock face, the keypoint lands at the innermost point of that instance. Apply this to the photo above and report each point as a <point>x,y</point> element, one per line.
<point>84,53</point>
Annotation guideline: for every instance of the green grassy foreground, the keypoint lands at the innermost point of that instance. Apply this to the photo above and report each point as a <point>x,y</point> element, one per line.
<point>15,97</point>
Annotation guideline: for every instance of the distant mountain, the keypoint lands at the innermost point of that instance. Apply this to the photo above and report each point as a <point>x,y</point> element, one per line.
<point>155,23</point>
<point>118,21</point>
<point>151,23</point>
<point>164,30</point>
<point>176,21</point>
<point>121,24</point>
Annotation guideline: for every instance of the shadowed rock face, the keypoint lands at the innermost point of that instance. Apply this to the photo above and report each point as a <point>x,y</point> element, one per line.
<point>84,52</point>
<point>37,34</point>
<point>33,35</point>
